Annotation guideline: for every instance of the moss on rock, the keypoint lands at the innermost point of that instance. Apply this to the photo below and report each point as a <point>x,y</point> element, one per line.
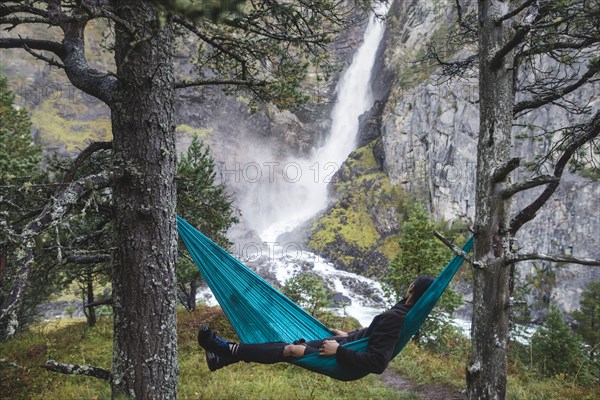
<point>354,232</point>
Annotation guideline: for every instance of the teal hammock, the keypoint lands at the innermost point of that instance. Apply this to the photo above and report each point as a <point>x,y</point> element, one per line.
<point>260,313</point>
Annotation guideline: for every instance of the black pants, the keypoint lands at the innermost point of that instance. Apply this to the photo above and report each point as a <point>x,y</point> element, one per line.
<point>272,352</point>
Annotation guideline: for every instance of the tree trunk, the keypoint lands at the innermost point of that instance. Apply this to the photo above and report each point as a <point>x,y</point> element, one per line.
<point>144,282</point>
<point>91,312</point>
<point>486,375</point>
<point>192,296</point>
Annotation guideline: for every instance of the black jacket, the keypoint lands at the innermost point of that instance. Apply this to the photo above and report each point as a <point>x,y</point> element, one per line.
<point>383,334</point>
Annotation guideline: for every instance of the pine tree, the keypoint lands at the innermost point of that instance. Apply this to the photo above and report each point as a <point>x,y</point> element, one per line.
<point>588,318</point>
<point>205,204</point>
<point>421,254</point>
<point>556,350</point>
<point>19,156</point>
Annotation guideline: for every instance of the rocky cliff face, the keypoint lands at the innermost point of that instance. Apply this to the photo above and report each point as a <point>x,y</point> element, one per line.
<point>429,138</point>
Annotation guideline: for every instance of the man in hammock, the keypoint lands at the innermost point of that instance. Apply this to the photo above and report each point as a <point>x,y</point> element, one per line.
<point>383,334</point>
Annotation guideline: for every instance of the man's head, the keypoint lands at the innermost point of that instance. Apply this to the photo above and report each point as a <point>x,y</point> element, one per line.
<point>417,288</point>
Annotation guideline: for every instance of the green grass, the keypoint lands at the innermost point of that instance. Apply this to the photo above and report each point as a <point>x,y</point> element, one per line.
<point>70,341</point>
<point>426,368</point>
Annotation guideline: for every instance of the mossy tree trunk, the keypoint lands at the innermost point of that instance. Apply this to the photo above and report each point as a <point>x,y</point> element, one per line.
<point>486,375</point>
<point>144,283</point>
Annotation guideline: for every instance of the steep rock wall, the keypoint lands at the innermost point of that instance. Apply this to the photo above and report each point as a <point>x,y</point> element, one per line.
<point>429,136</point>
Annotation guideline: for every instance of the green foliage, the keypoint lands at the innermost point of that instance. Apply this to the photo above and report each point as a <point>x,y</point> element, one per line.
<point>203,203</point>
<point>271,48</point>
<point>200,199</point>
<point>588,318</point>
<point>422,254</point>
<point>70,310</point>
<point>19,157</point>
<point>20,176</point>
<point>555,349</point>
<point>307,290</point>
<point>197,10</point>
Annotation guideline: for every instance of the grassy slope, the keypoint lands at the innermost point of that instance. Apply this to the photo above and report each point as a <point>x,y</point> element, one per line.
<point>69,341</point>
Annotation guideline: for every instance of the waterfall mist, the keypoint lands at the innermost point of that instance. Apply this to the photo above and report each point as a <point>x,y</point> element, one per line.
<point>291,191</point>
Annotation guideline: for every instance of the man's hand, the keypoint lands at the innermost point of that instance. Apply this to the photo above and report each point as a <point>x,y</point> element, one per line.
<point>337,332</point>
<point>329,348</point>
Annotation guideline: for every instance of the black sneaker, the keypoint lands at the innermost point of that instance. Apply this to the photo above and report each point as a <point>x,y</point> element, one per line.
<point>217,361</point>
<point>210,341</point>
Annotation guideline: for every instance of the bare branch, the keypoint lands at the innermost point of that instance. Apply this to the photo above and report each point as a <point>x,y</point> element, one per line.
<point>587,133</point>
<point>97,11</point>
<point>13,364</point>
<point>518,37</point>
<point>88,258</point>
<point>528,184</point>
<point>193,83</point>
<point>594,68</point>
<point>556,258</point>
<point>91,81</point>
<point>514,12</point>
<point>63,201</point>
<point>86,370</point>
<point>48,60</point>
<point>99,303</point>
<point>500,173</point>
<point>84,155</point>
<point>35,44</point>
<point>457,250</point>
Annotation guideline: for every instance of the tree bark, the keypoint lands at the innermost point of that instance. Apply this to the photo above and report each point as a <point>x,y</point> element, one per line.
<point>144,282</point>
<point>91,311</point>
<point>486,375</point>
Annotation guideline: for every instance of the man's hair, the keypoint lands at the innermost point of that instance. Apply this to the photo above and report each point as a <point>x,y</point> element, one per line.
<point>420,286</point>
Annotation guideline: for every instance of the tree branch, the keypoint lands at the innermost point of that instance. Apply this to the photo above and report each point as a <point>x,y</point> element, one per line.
<point>554,257</point>
<point>72,54</point>
<point>500,173</point>
<point>528,184</point>
<point>520,34</point>
<point>10,363</point>
<point>11,303</point>
<point>84,155</point>
<point>88,258</point>
<point>196,31</point>
<point>35,44</point>
<point>457,250</point>
<point>86,370</point>
<point>48,60</point>
<point>99,303</point>
<point>62,202</point>
<point>590,131</point>
<point>514,12</point>
<point>594,68</point>
<point>191,83</point>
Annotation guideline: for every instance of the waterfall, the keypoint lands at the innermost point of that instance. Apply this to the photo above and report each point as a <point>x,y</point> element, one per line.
<point>301,190</point>
<point>294,191</point>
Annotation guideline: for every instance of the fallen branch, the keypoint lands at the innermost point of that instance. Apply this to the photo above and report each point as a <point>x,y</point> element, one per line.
<point>10,363</point>
<point>87,370</point>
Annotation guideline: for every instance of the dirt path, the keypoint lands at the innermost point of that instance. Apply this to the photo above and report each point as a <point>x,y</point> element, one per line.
<point>425,392</point>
